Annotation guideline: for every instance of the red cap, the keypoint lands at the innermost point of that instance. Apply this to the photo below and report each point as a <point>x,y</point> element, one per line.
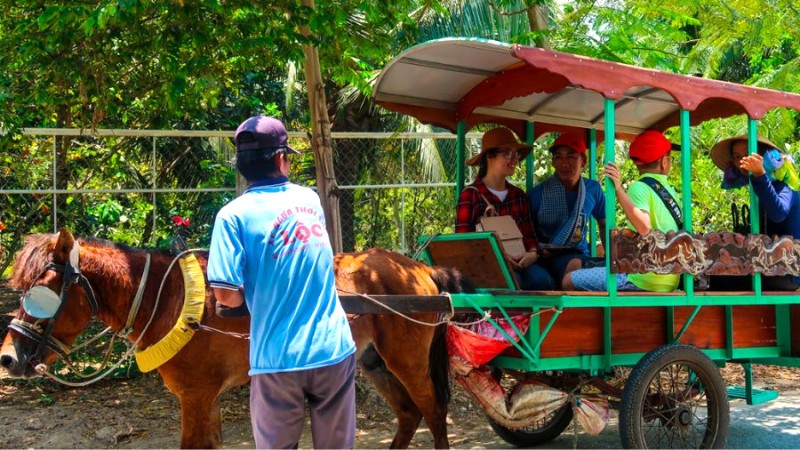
<point>650,146</point>
<point>570,140</point>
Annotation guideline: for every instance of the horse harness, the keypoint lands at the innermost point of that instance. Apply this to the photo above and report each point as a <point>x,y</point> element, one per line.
<point>72,275</point>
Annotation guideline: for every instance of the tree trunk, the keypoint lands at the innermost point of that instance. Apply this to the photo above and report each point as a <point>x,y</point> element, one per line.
<point>321,142</point>
<point>537,18</point>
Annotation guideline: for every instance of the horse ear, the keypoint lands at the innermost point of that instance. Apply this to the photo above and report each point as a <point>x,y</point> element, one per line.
<point>63,246</point>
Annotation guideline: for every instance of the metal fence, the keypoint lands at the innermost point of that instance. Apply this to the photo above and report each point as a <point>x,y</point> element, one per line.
<point>127,185</point>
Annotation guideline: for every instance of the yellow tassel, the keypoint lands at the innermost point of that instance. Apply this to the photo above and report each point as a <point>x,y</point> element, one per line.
<point>194,287</point>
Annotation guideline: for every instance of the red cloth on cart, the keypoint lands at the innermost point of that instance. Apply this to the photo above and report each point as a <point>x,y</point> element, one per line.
<point>479,343</point>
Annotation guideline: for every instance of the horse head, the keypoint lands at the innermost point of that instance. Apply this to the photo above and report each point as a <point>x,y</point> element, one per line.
<point>57,303</point>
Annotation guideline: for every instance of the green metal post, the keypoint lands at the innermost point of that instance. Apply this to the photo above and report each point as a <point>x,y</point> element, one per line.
<point>748,382</point>
<point>752,141</point>
<point>611,195</point>
<point>592,161</point>
<point>611,222</point>
<point>461,144</point>
<point>529,173</point>
<point>686,189</point>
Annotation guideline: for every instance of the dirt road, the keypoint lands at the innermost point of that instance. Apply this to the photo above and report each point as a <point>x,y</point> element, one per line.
<point>140,413</point>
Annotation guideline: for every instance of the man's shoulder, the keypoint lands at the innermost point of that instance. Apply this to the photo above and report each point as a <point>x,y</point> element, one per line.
<point>539,186</point>
<point>592,185</point>
<point>646,179</point>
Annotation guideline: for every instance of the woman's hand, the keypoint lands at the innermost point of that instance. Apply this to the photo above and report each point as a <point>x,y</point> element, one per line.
<point>519,262</point>
<point>754,164</point>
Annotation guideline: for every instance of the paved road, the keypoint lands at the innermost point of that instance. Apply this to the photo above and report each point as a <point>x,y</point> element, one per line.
<point>775,424</point>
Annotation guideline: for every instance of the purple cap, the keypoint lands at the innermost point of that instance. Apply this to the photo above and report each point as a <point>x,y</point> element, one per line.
<point>262,133</point>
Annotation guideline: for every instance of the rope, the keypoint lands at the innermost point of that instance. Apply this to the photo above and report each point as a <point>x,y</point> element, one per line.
<point>424,246</point>
<point>200,326</point>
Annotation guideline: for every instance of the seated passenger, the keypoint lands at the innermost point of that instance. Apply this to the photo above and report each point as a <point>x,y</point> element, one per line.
<point>561,206</point>
<point>775,183</point>
<point>650,204</point>
<point>499,156</point>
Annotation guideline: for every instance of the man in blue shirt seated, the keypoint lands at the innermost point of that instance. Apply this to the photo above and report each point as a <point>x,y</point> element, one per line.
<point>561,206</point>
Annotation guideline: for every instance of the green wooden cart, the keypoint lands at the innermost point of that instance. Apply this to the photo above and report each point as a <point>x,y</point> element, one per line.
<point>674,395</point>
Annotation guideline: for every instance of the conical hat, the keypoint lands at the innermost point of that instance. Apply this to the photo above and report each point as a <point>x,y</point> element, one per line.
<point>721,151</point>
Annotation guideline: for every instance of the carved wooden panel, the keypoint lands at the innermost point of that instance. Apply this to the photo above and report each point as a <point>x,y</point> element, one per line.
<point>717,253</point>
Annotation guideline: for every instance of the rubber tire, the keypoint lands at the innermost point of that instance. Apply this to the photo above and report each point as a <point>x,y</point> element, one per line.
<point>523,438</point>
<point>636,387</point>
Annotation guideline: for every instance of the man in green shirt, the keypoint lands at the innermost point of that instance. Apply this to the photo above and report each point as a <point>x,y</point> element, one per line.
<point>650,204</point>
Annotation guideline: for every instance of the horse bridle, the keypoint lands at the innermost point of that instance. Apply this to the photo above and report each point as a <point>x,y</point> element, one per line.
<point>44,337</point>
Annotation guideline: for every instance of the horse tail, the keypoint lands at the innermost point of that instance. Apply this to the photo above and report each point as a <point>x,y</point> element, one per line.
<point>447,280</point>
<point>439,365</point>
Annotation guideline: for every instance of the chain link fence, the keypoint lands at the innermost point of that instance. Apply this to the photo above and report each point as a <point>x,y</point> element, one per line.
<point>128,185</point>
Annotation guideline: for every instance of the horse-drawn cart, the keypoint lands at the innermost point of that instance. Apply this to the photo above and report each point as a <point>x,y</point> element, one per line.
<point>674,342</point>
<point>570,343</point>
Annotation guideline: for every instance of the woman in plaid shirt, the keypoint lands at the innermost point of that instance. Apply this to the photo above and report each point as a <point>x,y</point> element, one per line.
<point>499,156</point>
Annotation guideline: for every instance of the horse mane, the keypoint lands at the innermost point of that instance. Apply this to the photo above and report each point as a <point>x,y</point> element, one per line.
<point>30,260</point>
<point>38,249</point>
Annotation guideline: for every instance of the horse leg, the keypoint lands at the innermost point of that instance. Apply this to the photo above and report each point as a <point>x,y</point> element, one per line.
<point>201,423</point>
<point>407,413</point>
<point>413,370</point>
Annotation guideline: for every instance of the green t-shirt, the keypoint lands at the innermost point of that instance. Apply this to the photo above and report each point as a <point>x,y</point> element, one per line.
<point>645,198</point>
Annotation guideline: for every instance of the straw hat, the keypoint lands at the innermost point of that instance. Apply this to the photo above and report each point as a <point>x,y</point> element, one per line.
<point>499,138</point>
<point>721,151</point>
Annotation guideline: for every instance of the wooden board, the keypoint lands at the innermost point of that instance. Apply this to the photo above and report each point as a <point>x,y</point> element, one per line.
<point>474,258</point>
<point>406,304</point>
<point>579,331</point>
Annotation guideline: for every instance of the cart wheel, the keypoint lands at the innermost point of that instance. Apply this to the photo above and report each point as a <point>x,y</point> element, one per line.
<point>540,433</point>
<point>675,398</point>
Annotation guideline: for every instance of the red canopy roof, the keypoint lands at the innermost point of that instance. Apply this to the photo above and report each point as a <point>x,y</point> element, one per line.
<point>479,81</point>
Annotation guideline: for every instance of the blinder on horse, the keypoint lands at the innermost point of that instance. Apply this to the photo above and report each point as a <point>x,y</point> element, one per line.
<point>42,303</point>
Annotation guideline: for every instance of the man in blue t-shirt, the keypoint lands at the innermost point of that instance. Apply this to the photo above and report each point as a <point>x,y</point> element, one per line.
<point>561,206</point>
<point>270,249</point>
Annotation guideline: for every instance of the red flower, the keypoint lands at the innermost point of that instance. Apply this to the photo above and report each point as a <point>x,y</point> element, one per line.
<point>181,221</point>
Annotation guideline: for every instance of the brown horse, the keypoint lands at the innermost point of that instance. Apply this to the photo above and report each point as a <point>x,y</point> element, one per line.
<point>407,361</point>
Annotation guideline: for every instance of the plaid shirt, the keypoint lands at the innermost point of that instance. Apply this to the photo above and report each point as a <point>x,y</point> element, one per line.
<point>471,207</point>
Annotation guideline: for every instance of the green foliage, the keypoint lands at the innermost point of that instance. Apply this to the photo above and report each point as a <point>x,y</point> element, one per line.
<point>208,64</point>
<point>46,399</point>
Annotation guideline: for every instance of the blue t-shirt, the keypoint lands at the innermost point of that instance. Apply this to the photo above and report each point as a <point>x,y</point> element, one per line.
<point>272,241</point>
<point>594,204</point>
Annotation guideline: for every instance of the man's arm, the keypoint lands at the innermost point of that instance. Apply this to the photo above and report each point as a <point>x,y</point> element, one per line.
<point>229,297</point>
<point>639,218</point>
<point>601,225</point>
